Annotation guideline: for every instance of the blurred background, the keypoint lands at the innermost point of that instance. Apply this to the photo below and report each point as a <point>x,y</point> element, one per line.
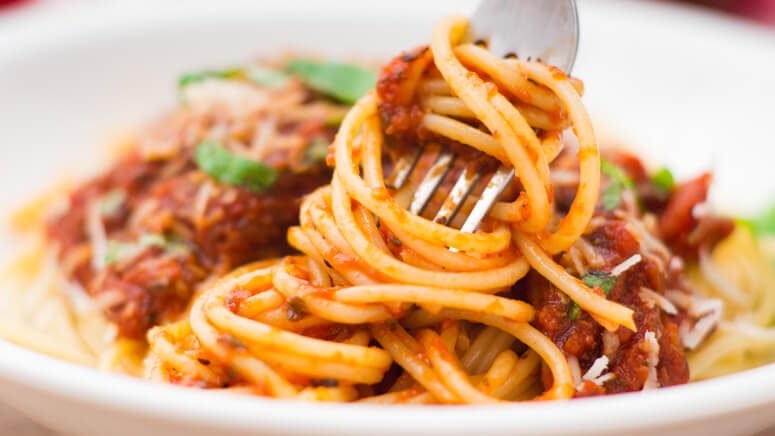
<point>758,10</point>
<point>761,11</point>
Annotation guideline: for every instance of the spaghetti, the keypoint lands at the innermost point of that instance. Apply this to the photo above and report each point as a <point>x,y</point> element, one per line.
<point>352,287</point>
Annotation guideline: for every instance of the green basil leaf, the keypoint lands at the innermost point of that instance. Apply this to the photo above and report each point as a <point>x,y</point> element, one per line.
<point>663,180</point>
<point>616,174</point>
<point>602,279</point>
<point>344,82</point>
<point>612,194</point>
<point>267,77</point>
<point>575,311</point>
<point>189,78</point>
<point>226,167</point>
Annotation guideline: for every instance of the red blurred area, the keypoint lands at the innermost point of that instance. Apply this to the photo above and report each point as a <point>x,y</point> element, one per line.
<point>759,10</point>
<point>9,3</point>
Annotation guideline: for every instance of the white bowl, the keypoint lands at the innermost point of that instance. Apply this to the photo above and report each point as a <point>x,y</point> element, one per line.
<point>691,90</point>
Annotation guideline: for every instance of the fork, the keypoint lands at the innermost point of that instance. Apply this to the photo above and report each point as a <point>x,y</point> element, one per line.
<point>545,30</point>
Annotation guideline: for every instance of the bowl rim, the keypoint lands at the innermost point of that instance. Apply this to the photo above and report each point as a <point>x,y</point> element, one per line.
<point>698,400</point>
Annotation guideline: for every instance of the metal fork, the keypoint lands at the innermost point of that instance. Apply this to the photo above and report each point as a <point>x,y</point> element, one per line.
<point>545,30</point>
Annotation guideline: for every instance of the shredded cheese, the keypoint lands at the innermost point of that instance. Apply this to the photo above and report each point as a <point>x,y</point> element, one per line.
<point>692,337</point>
<point>596,370</point>
<point>627,264</point>
<point>663,303</point>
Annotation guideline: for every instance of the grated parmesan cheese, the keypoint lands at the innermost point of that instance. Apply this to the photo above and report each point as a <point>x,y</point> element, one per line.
<point>627,264</point>
<point>596,370</point>
<point>663,303</point>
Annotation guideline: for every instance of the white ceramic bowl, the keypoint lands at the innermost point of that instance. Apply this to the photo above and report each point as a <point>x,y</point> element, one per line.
<point>691,90</point>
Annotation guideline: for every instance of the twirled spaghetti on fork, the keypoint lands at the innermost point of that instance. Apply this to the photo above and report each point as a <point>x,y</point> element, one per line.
<point>379,286</point>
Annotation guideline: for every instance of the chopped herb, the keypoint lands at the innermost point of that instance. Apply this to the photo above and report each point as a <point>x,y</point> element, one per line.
<point>264,76</point>
<point>663,182</point>
<point>663,179</point>
<point>296,309</point>
<point>111,202</point>
<point>257,74</point>
<point>615,173</point>
<point>226,167</point>
<point>612,196</point>
<point>203,361</point>
<point>189,78</point>
<point>343,82</point>
<point>575,311</point>
<point>602,279</point>
<point>620,181</point>
<point>317,150</point>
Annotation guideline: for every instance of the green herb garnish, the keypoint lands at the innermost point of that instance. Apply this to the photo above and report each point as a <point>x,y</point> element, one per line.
<point>620,181</point>
<point>612,197</point>
<point>226,167</point>
<point>602,279</point>
<point>344,82</point>
<point>257,74</point>
<point>267,77</point>
<point>575,311</point>
<point>664,182</point>
<point>189,78</point>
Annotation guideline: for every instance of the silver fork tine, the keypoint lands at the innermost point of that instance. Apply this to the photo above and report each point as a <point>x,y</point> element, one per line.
<point>431,181</point>
<point>457,196</point>
<point>403,168</point>
<point>534,28</point>
<point>495,187</point>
